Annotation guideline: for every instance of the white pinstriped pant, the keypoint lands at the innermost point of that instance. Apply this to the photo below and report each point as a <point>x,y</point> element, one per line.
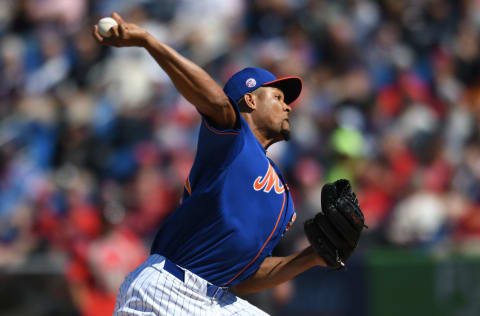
<point>151,290</point>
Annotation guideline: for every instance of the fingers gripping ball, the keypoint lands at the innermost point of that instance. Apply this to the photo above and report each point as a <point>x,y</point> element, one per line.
<point>105,26</point>
<point>334,232</point>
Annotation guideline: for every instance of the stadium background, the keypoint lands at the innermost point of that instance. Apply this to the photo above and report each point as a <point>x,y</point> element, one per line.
<point>95,145</point>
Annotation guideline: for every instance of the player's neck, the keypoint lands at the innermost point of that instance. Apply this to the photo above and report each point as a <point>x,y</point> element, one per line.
<point>259,133</point>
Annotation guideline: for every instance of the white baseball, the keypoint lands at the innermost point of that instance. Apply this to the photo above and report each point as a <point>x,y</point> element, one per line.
<point>105,25</point>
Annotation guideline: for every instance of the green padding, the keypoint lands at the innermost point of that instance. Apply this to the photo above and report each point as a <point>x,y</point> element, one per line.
<point>408,283</point>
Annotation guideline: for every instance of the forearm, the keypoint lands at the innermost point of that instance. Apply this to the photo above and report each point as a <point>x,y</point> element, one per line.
<point>189,79</point>
<point>276,270</point>
<point>193,83</point>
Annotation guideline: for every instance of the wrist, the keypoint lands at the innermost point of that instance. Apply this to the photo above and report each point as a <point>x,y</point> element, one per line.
<point>319,261</point>
<point>315,258</point>
<point>147,41</point>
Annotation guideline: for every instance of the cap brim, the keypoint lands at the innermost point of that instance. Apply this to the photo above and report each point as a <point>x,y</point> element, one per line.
<point>291,87</point>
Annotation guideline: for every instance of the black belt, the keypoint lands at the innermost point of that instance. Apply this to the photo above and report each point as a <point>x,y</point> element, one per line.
<point>213,291</point>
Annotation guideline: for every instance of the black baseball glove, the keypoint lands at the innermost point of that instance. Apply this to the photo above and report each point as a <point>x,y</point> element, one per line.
<point>334,232</point>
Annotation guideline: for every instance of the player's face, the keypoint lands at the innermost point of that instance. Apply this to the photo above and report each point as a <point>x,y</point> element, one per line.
<point>272,113</point>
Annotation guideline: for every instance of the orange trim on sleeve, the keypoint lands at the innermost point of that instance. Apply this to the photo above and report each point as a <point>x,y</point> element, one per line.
<point>261,249</point>
<point>218,132</point>
<point>187,186</point>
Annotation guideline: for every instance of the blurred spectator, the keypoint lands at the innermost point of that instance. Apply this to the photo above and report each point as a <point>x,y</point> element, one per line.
<point>95,143</point>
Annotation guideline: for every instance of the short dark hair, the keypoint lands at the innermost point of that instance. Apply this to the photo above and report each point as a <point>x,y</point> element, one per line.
<point>242,105</point>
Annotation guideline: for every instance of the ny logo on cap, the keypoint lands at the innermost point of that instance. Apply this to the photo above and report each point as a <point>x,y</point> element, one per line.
<point>251,83</point>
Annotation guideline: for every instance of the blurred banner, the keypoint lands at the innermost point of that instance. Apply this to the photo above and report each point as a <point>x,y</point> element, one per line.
<point>408,283</point>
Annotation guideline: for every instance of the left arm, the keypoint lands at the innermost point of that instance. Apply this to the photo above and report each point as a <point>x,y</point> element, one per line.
<point>276,270</point>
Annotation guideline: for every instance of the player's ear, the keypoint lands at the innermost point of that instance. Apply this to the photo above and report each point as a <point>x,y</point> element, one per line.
<point>250,102</point>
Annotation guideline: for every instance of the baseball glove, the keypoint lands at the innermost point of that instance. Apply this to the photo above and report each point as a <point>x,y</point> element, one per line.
<point>334,232</point>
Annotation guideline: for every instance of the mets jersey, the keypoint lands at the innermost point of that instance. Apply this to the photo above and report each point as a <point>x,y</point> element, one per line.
<point>236,207</point>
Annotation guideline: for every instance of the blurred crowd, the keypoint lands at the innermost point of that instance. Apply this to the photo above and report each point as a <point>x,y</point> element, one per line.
<point>95,142</point>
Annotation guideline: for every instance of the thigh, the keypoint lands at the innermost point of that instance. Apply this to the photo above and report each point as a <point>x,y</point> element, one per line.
<point>150,291</point>
<point>230,304</point>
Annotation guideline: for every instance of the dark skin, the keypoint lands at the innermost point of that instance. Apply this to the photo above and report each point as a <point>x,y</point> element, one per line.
<point>189,79</point>
<point>264,110</point>
<point>267,115</point>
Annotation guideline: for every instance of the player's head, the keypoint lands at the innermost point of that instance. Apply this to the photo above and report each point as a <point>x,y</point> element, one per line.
<point>265,98</point>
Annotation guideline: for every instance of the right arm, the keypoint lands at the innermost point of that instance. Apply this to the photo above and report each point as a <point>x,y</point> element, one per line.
<point>190,79</point>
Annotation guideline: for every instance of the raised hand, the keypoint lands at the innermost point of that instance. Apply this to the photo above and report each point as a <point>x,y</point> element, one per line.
<point>123,35</point>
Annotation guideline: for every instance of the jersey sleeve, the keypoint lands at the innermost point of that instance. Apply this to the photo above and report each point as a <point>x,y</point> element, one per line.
<point>217,146</point>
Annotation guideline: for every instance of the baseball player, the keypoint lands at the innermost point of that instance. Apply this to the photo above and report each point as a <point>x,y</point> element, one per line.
<point>236,205</point>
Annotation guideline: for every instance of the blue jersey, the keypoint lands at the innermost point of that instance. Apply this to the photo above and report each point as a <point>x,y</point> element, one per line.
<point>236,207</point>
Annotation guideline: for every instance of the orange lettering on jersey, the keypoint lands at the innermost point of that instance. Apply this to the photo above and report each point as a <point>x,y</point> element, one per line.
<point>270,180</point>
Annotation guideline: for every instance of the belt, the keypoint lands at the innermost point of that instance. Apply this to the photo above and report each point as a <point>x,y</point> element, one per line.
<point>213,291</point>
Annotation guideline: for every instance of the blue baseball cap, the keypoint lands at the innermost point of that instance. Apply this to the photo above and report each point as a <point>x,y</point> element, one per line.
<point>250,79</point>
